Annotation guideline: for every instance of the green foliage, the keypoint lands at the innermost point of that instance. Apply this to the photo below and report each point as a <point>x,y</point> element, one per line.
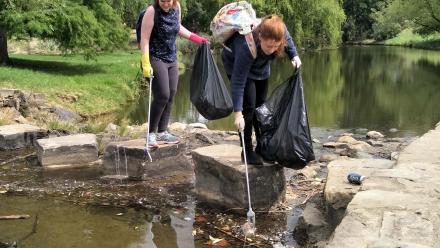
<point>312,23</point>
<point>408,38</point>
<point>319,24</point>
<point>422,16</point>
<point>195,15</point>
<point>359,23</point>
<point>61,125</point>
<point>88,26</point>
<point>129,10</point>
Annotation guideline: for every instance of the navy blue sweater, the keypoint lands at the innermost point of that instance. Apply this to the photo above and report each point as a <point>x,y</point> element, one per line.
<point>240,65</point>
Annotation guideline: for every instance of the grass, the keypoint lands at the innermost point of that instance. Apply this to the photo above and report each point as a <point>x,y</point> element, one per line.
<point>88,87</point>
<point>408,38</point>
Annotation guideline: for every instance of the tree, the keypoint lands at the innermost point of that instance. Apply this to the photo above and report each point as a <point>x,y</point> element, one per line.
<point>78,26</point>
<point>359,23</point>
<point>312,23</point>
<point>128,10</point>
<point>423,16</point>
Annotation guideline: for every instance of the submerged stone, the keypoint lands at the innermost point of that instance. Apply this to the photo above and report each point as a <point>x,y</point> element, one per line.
<point>65,151</point>
<point>221,179</point>
<point>20,136</point>
<point>130,158</point>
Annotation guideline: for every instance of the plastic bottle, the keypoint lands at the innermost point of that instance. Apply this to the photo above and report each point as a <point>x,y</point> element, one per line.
<point>355,178</point>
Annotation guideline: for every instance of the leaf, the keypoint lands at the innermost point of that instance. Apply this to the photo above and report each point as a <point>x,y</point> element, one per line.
<point>217,242</point>
<point>200,219</point>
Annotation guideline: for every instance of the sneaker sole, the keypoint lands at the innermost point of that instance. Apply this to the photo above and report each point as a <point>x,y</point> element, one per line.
<point>153,146</point>
<point>170,142</point>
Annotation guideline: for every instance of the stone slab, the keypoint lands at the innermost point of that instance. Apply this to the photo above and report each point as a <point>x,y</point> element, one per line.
<point>398,206</point>
<point>130,158</point>
<point>66,151</point>
<point>378,218</point>
<point>20,136</point>
<point>338,191</point>
<point>425,149</point>
<point>415,178</point>
<point>221,179</point>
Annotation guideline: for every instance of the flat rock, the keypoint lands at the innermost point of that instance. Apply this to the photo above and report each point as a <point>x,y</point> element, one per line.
<point>221,179</point>
<point>338,192</point>
<point>398,206</point>
<point>20,136</point>
<point>378,218</point>
<point>130,158</point>
<point>67,151</point>
<point>424,149</point>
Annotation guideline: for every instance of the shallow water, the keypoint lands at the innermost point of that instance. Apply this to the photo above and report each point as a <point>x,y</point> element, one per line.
<point>371,87</point>
<point>60,224</point>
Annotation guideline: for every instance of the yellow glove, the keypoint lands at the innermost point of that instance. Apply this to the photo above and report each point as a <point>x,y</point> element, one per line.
<point>147,70</point>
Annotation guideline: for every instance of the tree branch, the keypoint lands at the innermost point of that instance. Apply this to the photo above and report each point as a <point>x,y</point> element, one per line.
<point>427,26</point>
<point>431,10</point>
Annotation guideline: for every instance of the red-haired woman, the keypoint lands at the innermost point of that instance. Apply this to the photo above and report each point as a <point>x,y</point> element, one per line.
<point>249,75</point>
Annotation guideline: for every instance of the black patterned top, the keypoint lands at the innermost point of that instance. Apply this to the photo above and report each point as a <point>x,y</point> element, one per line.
<point>164,34</point>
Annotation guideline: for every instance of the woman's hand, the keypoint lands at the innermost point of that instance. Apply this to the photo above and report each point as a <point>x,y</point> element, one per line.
<point>197,39</point>
<point>239,121</point>
<point>147,70</point>
<point>296,62</point>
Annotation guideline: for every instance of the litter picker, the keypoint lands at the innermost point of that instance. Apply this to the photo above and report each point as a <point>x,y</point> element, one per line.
<point>249,227</point>
<point>148,118</point>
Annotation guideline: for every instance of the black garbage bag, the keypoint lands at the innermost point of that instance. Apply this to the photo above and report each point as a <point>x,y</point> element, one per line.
<point>283,123</point>
<point>208,91</point>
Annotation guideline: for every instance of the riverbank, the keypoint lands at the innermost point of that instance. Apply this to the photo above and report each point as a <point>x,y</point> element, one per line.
<point>407,38</point>
<point>86,87</point>
<point>20,175</point>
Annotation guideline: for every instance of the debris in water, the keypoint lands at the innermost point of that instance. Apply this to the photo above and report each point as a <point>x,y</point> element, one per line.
<point>217,242</point>
<point>248,229</point>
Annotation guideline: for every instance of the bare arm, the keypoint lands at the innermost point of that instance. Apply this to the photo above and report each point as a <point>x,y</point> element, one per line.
<point>183,32</point>
<point>147,27</point>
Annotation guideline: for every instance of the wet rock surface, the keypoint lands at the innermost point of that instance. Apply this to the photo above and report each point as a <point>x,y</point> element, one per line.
<point>131,158</point>
<point>20,136</point>
<point>221,179</point>
<point>67,151</point>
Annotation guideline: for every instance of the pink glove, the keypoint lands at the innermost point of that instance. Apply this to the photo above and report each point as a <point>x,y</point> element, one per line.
<point>197,39</point>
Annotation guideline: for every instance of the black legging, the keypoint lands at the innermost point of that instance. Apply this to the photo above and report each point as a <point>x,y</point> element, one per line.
<point>166,76</point>
<point>255,93</point>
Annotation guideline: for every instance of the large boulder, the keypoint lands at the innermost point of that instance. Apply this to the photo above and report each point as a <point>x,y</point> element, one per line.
<point>20,136</point>
<point>130,158</point>
<point>66,151</point>
<point>221,179</point>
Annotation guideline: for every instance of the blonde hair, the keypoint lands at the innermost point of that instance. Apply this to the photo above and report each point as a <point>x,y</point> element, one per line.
<point>272,27</point>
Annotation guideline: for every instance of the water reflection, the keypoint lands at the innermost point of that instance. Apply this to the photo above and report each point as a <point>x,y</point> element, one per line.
<point>67,225</point>
<point>370,87</point>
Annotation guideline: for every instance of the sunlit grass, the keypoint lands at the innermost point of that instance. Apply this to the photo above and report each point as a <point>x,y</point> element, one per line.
<point>102,85</point>
<point>408,38</point>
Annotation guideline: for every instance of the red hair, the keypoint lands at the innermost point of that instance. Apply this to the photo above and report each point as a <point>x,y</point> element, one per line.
<point>272,27</point>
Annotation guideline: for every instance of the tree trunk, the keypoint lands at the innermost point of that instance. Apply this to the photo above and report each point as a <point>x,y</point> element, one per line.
<point>4,57</point>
